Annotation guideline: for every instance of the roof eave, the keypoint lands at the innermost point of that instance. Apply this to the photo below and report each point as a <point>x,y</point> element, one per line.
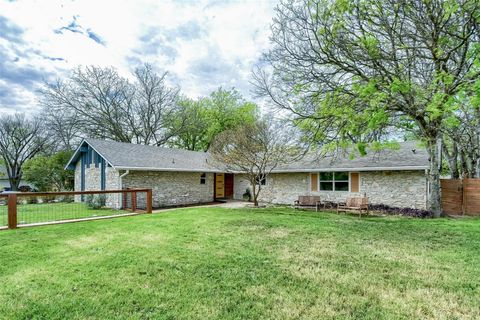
<point>167,169</point>
<point>74,155</point>
<point>79,149</point>
<point>360,169</point>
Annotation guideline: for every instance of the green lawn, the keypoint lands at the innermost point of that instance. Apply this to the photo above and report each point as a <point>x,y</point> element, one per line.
<point>214,263</point>
<point>44,212</point>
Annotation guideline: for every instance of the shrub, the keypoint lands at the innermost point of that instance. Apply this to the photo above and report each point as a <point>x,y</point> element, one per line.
<point>95,201</point>
<point>247,196</point>
<point>409,212</point>
<point>25,189</point>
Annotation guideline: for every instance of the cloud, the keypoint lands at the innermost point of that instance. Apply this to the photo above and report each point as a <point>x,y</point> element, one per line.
<point>203,44</point>
<point>75,27</point>
<point>10,31</point>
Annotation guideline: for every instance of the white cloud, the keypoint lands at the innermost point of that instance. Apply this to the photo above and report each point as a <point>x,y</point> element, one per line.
<point>203,44</point>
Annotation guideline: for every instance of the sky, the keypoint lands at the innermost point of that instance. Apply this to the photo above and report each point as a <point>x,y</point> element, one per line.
<point>201,44</point>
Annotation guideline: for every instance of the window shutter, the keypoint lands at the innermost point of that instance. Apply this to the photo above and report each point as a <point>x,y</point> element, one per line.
<point>314,182</point>
<point>355,182</point>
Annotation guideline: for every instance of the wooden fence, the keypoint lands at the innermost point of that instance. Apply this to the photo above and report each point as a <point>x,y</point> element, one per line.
<point>38,208</point>
<point>461,196</point>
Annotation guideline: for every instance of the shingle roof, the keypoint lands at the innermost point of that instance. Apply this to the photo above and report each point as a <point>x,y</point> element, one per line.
<point>410,156</point>
<point>141,157</point>
<point>130,156</point>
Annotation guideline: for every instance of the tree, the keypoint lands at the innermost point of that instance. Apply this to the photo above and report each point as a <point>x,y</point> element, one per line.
<point>192,124</point>
<point>346,69</point>
<point>254,150</point>
<point>100,103</point>
<point>63,124</point>
<point>47,173</point>
<point>461,135</point>
<point>201,120</point>
<point>20,140</point>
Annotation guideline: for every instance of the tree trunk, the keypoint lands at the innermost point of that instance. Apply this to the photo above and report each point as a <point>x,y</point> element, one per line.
<point>254,194</point>
<point>14,183</point>
<point>452,160</point>
<point>434,196</point>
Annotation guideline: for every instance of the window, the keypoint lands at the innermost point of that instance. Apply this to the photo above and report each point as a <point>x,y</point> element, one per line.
<point>261,180</point>
<point>334,181</point>
<point>203,178</point>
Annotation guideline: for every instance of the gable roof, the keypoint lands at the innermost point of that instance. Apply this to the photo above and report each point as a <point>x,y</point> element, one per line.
<point>128,156</point>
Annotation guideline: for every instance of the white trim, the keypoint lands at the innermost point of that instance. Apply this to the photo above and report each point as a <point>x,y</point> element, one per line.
<point>73,155</point>
<point>78,149</point>
<point>350,181</point>
<point>173,169</point>
<point>333,182</point>
<point>356,169</point>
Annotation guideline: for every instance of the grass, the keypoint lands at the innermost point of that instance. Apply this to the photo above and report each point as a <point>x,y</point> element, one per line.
<point>215,263</point>
<point>44,212</point>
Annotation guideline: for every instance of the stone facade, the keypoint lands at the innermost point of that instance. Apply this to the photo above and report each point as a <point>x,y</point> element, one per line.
<point>93,183</point>
<point>172,188</point>
<point>393,188</point>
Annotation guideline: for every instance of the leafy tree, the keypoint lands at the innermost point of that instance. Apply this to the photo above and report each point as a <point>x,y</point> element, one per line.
<point>47,173</point>
<point>254,149</point>
<point>200,121</point>
<point>21,139</point>
<point>349,69</point>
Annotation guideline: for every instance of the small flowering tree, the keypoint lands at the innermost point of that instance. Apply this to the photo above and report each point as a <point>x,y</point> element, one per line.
<point>254,150</point>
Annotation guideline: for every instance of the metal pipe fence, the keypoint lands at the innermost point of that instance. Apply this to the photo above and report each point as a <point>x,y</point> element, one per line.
<point>31,208</point>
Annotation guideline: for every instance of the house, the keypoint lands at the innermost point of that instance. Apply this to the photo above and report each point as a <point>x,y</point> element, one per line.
<point>5,182</point>
<point>179,177</point>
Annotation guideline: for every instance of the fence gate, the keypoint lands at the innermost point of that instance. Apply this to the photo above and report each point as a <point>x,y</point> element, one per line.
<point>461,196</point>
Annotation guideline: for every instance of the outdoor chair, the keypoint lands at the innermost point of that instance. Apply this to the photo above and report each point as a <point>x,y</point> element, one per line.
<point>354,204</point>
<point>307,202</point>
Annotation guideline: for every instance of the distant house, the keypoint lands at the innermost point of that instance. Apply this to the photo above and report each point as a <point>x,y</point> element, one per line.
<point>177,177</point>
<point>5,183</point>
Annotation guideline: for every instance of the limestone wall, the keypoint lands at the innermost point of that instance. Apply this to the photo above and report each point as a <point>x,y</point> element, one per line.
<point>93,183</point>
<point>172,188</point>
<point>393,188</point>
<point>404,189</point>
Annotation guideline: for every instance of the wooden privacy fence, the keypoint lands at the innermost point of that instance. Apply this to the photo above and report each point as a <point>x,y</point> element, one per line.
<point>461,196</point>
<point>38,208</point>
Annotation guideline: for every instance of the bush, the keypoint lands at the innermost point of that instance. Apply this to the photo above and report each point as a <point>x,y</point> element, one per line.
<point>247,196</point>
<point>409,212</point>
<point>95,201</point>
<point>25,189</point>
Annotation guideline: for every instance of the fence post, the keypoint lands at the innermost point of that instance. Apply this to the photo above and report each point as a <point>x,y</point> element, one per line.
<point>134,201</point>
<point>149,201</point>
<point>12,211</point>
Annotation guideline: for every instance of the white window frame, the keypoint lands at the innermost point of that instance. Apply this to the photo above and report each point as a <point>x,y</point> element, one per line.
<point>319,180</point>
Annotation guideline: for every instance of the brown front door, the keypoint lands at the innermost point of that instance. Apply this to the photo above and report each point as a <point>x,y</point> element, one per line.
<point>229,185</point>
<point>219,185</point>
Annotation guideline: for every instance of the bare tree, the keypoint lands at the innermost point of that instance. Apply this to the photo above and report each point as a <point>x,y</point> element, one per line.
<point>20,140</point>
<point>155,106</point>
<point>348,68</point>
<point>254,150</point>
<point>100,103</point>
<point>63,125</point>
